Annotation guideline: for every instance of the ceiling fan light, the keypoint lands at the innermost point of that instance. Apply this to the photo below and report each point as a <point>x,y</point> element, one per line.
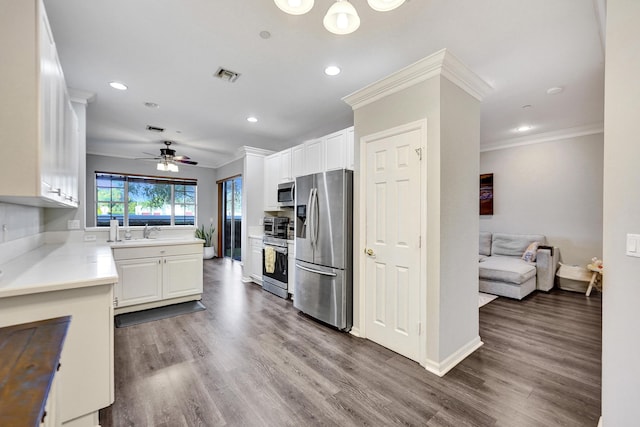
<point>162,167</point>
<point>173,167</point>
<point>341,18</point>
<point>384,5</point>
<point>294,7</point>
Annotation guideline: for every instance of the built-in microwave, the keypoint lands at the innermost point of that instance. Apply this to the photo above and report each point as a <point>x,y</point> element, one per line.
<point>286,194</point>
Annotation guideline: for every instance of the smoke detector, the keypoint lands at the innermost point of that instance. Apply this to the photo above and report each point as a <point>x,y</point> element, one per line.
<point>226,75</point>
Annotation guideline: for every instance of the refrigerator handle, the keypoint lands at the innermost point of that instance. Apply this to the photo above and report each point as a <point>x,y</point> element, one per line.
<point>311,270</point>
<point>308,223</point>
<point>316,217</point>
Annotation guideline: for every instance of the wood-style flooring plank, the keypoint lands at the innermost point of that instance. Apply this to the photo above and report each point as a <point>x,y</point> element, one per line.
<point>251,359</point>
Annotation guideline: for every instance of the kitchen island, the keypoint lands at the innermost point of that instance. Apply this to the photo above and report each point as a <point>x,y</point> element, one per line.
<point>76,280</point>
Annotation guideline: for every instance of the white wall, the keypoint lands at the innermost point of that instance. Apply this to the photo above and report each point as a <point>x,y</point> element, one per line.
<point>552,188</point>
<point>207,188</point>
<point>621,297</point>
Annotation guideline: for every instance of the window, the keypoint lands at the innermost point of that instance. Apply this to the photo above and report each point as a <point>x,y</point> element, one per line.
<point>138,200</point>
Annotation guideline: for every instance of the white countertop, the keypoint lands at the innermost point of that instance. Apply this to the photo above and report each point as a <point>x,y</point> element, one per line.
<point>165,241</point>
<point>55,267</point>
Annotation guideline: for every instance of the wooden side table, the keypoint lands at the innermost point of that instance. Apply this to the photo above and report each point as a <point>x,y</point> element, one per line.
<point>596,278</point>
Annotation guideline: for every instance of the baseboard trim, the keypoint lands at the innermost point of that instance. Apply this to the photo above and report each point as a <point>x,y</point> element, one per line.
<point>441,368</point>
<point>600,422</point>
<point>355,332</point>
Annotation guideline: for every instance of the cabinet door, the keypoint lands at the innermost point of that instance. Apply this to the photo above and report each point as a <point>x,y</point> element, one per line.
<point>335,148</point>
<point>256,260</point>
<point>350,149</point>
<point>271,179</point>
<point>285,166</point>
<point>297,161</point>
<point>140,281</point>
<point>314,156</point>
<point>182,275</point>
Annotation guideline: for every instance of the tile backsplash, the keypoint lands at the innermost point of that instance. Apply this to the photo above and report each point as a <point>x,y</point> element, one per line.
<point>17,221</point>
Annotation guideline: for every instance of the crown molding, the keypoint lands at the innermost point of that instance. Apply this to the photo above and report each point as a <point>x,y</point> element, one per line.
<point>442,63</point>
<point>539,138</point>
<point>81,96</point>
<point>246,150</point>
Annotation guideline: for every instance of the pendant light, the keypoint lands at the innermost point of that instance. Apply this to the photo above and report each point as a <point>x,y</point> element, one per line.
<point>341,18</point>
<point>294,7</point>
<point>384,5</point>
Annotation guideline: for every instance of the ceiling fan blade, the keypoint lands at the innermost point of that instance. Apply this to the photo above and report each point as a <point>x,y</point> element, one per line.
<point>186,162</point>
<point>148,158</point>
<point>181,157</point>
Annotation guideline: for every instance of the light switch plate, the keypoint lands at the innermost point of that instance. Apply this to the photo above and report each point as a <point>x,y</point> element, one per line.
<point>73,224</point>
<point>633,245</point>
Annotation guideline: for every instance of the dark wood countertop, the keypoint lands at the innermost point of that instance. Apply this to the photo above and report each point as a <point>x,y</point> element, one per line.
<point>29,359</point>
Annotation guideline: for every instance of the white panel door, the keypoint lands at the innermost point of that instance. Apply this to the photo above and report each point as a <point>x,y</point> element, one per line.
<point>392,266</point>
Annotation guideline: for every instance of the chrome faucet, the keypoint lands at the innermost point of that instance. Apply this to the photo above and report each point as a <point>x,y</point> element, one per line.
<point>147,231</point>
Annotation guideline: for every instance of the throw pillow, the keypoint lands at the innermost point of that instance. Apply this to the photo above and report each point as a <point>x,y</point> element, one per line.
<point>529,254</point>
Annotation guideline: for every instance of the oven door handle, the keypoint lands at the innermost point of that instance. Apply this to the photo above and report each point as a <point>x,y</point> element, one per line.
<point>311,270</point>
<point>277,249</point>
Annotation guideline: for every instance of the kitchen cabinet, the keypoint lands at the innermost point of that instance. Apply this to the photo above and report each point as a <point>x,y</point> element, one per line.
<point>314,153</point>
<point>285,166</point>
<point>291,278</point>
<point>351,144</point>
<point>298,165</point>
<point>271,181</point>
<point>153,276</point>
<point>38,124</point>
<point>335,150</point>
<point>255,259</point>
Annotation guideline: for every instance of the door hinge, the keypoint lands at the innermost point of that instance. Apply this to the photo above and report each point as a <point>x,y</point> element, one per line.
<point>115,301</point>
<point>419,241</point>
<point>419,153</point>
<point>419,328</point>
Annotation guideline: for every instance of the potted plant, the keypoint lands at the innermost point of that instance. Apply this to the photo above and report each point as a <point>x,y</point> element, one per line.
<point>207,236</point>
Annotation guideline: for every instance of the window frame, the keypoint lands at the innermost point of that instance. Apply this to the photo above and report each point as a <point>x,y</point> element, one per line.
<point>127,178</point>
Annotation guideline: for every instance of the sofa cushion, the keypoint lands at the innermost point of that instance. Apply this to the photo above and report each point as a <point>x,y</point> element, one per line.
<point>506,269</point>
<point>482,258</point>
<point>530,253</point>
<point>514,244</point>
<point>485,243</point>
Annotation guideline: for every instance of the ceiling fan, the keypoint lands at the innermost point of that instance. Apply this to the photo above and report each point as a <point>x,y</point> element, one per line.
<point>168,159</point>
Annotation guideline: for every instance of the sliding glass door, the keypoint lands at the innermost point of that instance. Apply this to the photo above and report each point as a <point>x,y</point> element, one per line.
<point>232,214</point>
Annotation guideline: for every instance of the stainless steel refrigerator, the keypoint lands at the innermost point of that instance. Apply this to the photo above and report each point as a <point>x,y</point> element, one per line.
<point>324,247</point>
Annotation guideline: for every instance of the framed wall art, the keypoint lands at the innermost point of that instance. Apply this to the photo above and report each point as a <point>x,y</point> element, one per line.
<point>486,194</point>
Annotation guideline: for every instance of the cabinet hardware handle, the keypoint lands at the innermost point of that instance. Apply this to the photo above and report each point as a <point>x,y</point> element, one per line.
<point>57,191</point>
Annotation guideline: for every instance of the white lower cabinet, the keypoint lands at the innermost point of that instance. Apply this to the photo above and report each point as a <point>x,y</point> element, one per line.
<point>156,276</point>
<point>255,263</point>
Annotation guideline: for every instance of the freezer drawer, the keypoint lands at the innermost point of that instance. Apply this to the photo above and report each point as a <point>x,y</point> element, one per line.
<point>325,294</point>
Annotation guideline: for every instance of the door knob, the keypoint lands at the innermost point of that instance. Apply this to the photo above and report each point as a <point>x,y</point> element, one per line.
<point>369,252</point>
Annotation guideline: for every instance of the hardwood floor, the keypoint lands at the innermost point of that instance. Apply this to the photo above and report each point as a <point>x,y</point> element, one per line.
<point>252,359</point>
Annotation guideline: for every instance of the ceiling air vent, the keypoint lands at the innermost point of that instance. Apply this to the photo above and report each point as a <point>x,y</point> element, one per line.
<point>154,128</point>
<point>226,75</point>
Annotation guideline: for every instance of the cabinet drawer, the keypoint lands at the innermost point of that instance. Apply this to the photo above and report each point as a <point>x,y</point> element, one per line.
<point>156,251</point>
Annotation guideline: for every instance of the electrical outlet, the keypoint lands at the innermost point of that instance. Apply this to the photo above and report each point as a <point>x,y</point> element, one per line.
<point>73,224</point>
<point>89,237</point>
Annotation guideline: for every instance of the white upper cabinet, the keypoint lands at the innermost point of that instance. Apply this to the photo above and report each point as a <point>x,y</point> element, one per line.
<point>335,149</point>
<point>39,126</point>
<point>271,181</point>
<point>285,166</point>
<point>298,165</point>
<point>350,149</point>
<point>314,156</point>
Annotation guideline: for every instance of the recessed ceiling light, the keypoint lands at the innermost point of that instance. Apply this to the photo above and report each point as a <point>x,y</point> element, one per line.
<point>554,90</point>
<point>523,128</point>
<point>151,105</point>
<point>252,119</point>
<point>265,34</point>
<point>118,85</point>
<point>332,70</point>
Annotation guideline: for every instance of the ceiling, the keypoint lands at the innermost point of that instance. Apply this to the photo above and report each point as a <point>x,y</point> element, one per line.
<point>166,52</point>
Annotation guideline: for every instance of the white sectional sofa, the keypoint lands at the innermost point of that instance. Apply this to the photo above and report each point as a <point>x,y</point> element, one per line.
<point>502,271</point>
